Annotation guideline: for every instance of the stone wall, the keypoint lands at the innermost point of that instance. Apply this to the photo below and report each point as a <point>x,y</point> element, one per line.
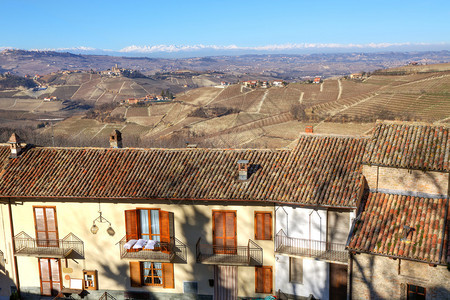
<point>415,181</point>
<point>378,277</point>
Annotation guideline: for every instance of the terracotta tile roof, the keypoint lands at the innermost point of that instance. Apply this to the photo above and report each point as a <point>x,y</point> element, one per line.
<point>405,145</point>
<point>321,170</point>
<point>325,170</point>
<point>381,228</point>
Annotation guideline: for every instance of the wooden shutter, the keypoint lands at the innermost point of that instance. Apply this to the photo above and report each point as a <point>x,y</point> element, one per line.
<point>230,228</point>
<point>165,230</point>
<point>135,274</point>
<point>218,230</point>
<point>168,280</point>
<point>224,232</point>
<point>131,224</point>
<point>263,225</point>
<point>258,226</point>
<point>263,280</point>
<point>267,226</point>
<point>50,276</point>
<point>44,274</point>
<point>46,226</point>
<point>267,280</point>
<point>56,276</point>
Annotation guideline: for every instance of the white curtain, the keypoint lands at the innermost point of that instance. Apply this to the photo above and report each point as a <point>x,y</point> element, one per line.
<point>144,224</point>
<point>155,223</point>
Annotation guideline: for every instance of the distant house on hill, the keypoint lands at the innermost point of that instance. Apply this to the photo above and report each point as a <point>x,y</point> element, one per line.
<point>250,83</point>
<point>277,83</point>
<point>356,76</point>
<point>317,80</point>
<point>52,98</point>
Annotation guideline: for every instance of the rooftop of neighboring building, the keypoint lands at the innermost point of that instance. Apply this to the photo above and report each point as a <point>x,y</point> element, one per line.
<point>320,171</point>
<point>400,226</point>
<point>409,145</point>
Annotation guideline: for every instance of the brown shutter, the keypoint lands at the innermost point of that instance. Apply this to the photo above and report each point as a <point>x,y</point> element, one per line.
<point>135,274</point>
<point>267,280</point>
<point>218,230</point>
<point>230,228</point>
<point>267,226</point>
<point>46,226</point>
<point>258,226</point>
<point>131,224</point>
<point>44,272</point>
<point>263,280</point>
<point>259,280</point>
<point>168,280</point>
<point>165,230</point>
<point>165,226</point>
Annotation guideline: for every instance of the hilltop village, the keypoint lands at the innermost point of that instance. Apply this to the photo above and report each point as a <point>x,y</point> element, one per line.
<point>335,217</point>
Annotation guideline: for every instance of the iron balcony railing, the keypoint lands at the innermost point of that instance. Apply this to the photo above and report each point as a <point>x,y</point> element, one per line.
<point>106,296</point>
<point>175,252</point>
<point>69,246</point>
<point>250,255</point>
<point>334,252</point>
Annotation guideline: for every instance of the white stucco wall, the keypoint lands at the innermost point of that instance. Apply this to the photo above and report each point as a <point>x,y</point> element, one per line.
<point>306,224</point>
<point>315,278</point>
<point>295,222</point>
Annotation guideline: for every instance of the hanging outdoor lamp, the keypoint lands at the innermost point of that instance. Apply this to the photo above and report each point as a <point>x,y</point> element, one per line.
<point>101,219</point>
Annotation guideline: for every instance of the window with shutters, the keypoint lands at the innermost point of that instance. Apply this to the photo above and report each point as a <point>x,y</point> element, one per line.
<point>50,276</point>
<point>224,232</point>
<point>295,270</point>
<point>263,225</point>
<point>157,225</point>
<point>152,274</point>
<point>149,224</point>
<point>263,280</point>
<point>46,226</point>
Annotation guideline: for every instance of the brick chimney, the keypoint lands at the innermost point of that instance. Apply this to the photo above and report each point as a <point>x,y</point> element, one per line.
<point>115,139</point>
<point>243,169</point>
<point>15,145</point>
<point>309,129</point>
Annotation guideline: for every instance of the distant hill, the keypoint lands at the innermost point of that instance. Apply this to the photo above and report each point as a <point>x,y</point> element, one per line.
<point>235,116</point>
<point>288,67</point>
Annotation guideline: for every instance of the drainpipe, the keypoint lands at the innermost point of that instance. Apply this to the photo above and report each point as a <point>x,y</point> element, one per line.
<point>16,269</point>
<point>350,277</point>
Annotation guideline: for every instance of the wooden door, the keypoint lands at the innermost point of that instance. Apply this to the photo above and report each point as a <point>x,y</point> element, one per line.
<point>224,232</point>
<point>46,226</point>
<point>50,276</point>
<point>338,281</point>
<point>225,283</point>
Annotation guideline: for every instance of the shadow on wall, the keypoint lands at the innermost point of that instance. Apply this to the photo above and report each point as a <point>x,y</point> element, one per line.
<point>5,283</point>
<point>193,226</point>
<point>367,276</point>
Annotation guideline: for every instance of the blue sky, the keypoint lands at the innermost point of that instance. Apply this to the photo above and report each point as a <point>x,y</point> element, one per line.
<point>150,26</point>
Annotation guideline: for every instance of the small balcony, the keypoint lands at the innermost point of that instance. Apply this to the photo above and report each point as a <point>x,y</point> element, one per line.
<point>68,247</point>
<point>332,252</point>
<point>250,255</point>
<point>173,252</point>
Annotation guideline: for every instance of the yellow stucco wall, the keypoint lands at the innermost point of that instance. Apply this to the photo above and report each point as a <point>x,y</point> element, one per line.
<point>191,220</point>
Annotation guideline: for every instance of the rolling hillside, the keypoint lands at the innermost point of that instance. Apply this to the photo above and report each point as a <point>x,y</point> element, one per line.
<point>237,116</point>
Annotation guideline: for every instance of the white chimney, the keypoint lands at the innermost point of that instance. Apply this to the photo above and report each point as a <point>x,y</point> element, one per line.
<point>243,169</point>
